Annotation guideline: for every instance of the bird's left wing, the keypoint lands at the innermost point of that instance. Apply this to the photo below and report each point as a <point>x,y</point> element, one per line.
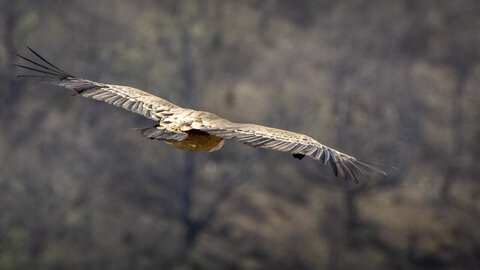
<point>286,141</point>
<point>126,97</point>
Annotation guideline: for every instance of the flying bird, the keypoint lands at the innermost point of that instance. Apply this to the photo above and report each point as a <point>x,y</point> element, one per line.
<point>193,130</point>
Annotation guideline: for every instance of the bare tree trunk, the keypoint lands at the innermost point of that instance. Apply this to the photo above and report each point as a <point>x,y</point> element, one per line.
<point>186,203</point>
<point>352,212</point>
<point>343,111</point>
<point>187,69</point>
<point>458,141</point>
<point>265,18</point>
<point>188,87</point>
<point>10,17</point>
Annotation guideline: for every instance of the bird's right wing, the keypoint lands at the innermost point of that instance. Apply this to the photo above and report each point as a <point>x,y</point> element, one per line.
<point>128,98</point>
<point>286,141</point>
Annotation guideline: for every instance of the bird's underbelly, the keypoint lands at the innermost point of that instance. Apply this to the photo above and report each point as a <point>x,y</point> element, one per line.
<point>198,141</point>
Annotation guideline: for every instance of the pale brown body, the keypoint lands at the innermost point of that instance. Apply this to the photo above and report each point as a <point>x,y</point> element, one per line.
<point>198,141</point>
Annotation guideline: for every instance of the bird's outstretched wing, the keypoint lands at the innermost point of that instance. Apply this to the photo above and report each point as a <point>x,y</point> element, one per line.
<point>298,145</point>
<point>126,97</point>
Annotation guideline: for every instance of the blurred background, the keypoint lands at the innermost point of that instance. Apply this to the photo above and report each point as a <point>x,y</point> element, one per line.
<point>394,82</point>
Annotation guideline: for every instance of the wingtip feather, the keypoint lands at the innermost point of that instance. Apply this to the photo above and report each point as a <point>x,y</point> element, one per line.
<point>334,167</point>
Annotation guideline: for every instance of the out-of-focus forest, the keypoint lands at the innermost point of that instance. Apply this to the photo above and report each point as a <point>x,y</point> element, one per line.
<point>394,82</point>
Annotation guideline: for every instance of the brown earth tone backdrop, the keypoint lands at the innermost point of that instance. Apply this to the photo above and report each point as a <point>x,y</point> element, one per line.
<point>395,82</point>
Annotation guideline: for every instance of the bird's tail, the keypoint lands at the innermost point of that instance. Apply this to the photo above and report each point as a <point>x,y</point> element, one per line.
<point>160,133</point>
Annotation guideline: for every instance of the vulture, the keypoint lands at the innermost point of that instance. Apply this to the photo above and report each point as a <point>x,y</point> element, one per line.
<point>193,130</point>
